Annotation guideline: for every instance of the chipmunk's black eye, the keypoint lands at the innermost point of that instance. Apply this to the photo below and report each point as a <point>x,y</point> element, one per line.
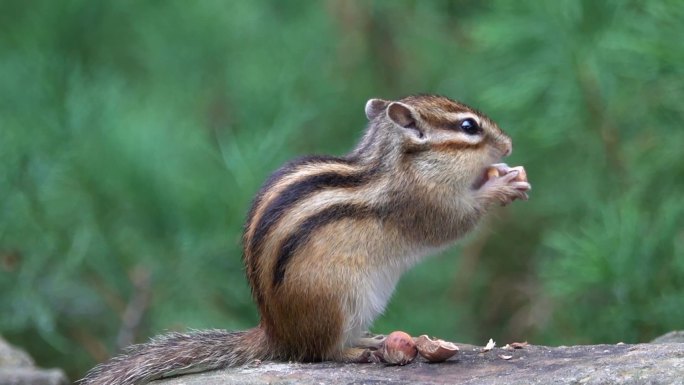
<point>469,126</point>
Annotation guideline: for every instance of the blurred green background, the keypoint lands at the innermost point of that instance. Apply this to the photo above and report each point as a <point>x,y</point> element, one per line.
<point>133,136</point>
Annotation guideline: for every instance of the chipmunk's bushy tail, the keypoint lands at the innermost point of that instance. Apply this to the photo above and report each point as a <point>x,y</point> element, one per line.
<point>179,353</point>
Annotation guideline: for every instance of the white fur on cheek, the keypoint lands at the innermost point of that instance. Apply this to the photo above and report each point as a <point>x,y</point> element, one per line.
<point>456,116</point>
<point>448,136</point>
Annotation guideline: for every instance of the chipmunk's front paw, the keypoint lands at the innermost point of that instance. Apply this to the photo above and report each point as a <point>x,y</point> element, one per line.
<point>504,184</point>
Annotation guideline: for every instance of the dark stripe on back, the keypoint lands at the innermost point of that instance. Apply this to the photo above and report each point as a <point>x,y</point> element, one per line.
<point>298,191</point>
<point>279,174</point>
<point>283,171</point>
<point>303,233</point>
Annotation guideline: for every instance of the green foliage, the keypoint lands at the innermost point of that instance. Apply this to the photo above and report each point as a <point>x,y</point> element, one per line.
<point>134,134</point>
<point>627,274</point>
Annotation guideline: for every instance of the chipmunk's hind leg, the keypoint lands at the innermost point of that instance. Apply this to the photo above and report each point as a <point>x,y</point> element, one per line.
<point>358,355</point>
<point>369,340</point>
<point>364,349</point>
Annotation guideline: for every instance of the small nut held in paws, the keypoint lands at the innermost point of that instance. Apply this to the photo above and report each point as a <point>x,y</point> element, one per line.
<point>435,350</point>
<point>522,174</point>
<point>492,172</point>
<point>399,348</point>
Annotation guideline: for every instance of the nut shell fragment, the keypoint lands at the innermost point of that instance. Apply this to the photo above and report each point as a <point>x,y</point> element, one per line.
<point>490,345</point>
<point>399,348</point>
<point>435,350</point>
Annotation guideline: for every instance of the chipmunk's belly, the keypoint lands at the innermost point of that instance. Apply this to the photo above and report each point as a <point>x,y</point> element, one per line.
<point>373,293</point>
<point>367,303</point>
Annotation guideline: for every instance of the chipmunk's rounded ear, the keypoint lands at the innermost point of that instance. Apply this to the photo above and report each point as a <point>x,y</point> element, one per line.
<point>375,107</point>
<point>403,115</point>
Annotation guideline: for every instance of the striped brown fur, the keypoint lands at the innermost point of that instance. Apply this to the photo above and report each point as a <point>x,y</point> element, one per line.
<point>258,225</point>
<point>327,238</point>
<point>298,191</point>
<point>307,229</point>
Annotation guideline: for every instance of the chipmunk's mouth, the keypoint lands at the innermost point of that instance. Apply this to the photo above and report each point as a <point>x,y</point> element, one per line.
<point>481,179</point>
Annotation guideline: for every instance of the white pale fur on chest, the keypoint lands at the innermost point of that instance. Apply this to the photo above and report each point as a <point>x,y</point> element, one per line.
<point>374,291</point>
<point>372,288</point>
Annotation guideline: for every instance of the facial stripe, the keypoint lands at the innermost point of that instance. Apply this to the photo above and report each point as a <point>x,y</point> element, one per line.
<point>456,145</point>
<point>303,233</point>
<point>459,116</point>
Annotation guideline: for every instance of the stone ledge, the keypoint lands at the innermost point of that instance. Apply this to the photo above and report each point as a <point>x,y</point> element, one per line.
<point>18,368</point>
<point>584,364</point>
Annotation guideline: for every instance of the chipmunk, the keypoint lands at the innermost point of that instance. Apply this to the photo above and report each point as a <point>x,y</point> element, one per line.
<point>327,239</point>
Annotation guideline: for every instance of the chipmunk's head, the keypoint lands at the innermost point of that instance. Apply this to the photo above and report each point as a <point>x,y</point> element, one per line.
<point>446,141</point>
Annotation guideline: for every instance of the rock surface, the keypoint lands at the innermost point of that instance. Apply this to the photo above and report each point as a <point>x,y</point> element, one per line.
<point>18,368</point>
<point>589,364</point>
<point>673,336</point>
